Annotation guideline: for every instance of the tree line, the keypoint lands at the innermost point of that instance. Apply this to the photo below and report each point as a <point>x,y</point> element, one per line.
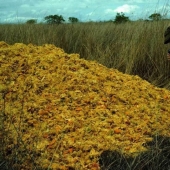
<point>120,18</point>
<point>54,19</point>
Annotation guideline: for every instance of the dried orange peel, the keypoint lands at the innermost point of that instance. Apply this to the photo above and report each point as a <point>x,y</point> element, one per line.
<point>63,111</point>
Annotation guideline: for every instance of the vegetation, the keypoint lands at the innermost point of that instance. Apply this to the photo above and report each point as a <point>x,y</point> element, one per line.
<point>121,18</point>
<point>54,19</point>
<point>155,16</point>
<point>157,157</point>
<point>73,19</point>
<point>31,21</point>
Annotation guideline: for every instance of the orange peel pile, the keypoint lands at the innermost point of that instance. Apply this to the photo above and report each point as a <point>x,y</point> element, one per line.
<point>61,111</point>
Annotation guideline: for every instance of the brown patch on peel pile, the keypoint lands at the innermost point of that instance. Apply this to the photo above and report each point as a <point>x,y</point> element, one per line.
<point>62,111</point>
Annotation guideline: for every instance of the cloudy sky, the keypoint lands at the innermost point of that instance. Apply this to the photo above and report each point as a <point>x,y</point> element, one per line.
<point>84,10</point>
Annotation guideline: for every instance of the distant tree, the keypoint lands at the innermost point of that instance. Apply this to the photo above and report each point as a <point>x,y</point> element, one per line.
<point>121,18</point>
<point>73,19</point>
<point>155,16</point>
<point>54,19</point>
<point>31,21</point>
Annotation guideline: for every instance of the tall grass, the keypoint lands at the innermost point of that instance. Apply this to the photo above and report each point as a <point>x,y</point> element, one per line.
<point>133,47</point>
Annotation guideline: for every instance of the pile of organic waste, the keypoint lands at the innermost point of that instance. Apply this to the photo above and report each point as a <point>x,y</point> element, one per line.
<point>61,112</point>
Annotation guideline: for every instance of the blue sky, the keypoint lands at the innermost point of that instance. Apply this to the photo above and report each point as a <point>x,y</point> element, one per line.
<point>85,10</point>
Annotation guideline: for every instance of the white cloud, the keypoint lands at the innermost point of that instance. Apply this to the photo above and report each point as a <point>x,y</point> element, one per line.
<point>109,11</point>
<point>126,8</point>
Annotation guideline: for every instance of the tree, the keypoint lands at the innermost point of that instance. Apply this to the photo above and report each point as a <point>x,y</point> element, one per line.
<point>155,16</point>
<point>54,19</point>
<point>121,18</point>
<point>31,21</point>
<point>73,19</point>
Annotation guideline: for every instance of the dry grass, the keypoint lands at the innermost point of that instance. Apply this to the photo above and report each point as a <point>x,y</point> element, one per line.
<point>157,157</point>
<point>134,48</point>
